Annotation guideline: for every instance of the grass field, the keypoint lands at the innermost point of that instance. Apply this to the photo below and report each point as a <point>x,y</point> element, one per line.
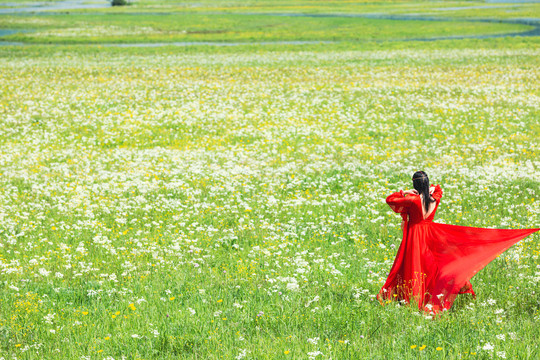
<point>211,202</point>
<point>127,28</point>
<point>239,21</point>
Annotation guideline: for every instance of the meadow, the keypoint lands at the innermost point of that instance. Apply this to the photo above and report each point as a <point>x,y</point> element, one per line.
<point>227,202</point>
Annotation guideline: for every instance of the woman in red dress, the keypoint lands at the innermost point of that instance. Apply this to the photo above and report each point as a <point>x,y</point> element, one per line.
<point>435,261</point>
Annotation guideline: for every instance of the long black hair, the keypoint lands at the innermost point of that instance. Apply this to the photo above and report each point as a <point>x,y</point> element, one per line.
<point>421,184</point>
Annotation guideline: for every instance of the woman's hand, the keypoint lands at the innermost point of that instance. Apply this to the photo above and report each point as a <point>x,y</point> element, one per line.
<point>410,192</point>
<point>431,189</point>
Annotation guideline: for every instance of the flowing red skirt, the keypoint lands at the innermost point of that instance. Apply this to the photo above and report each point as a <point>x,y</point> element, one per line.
<point>435,262</point>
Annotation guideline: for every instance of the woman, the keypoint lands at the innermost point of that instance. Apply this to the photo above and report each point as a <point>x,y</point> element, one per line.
<point>435,261</point>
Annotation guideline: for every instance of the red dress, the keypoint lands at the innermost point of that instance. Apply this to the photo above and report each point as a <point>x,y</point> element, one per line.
<point>435,261</point>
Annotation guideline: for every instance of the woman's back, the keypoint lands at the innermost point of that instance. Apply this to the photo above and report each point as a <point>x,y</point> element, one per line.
<point>412,208</point>
<point>417,212</point>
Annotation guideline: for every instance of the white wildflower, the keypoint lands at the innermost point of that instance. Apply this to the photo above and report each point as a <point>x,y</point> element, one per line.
<point>49,318</point>
<point>312,355</point>
<point>242,354</point>
<point>44,272</point>
<point>315,299</point>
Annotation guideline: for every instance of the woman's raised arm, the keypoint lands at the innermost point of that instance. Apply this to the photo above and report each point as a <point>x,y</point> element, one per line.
<point>436,192</point>
<point>399,202</point>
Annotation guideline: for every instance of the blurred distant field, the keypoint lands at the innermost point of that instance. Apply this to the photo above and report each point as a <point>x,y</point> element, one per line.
<point>206,180</point>
<point>223,21</point>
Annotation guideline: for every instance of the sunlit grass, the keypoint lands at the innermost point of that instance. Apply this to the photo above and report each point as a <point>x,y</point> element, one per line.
<point>224,21</point>
<point>233,203</point>
<point>228,202</point>
<point>195,27</point>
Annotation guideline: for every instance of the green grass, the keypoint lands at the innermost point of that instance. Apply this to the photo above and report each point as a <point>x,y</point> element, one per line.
<point>193,27</point>
<point>228,202</point>
<point>218,21</point>
<point>509,43</point>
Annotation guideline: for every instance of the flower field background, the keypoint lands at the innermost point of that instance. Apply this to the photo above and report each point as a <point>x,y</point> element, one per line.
<point>210,202</point>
